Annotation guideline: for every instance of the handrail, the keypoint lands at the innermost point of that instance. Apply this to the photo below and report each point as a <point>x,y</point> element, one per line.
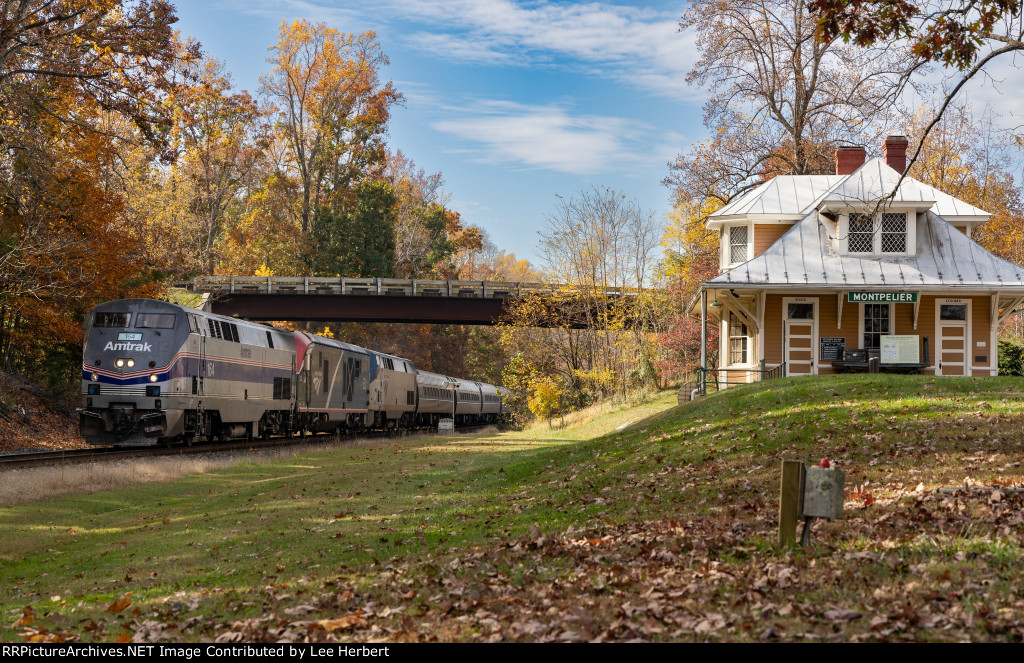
<point>711,376</point>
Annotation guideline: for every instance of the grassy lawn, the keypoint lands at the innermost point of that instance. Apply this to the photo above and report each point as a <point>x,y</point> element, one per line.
<point>648,521</point>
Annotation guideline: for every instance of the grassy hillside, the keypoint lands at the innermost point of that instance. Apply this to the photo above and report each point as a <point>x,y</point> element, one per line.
<point>648,522</point>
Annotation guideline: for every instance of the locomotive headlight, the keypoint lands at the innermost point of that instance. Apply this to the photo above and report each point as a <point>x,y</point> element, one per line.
<point>153,378</point>
<point>131,362</point>
<point>94,377</point>
<point>119,363</point>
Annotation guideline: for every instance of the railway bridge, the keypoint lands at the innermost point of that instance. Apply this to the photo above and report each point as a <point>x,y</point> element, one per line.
<point>370,299</point>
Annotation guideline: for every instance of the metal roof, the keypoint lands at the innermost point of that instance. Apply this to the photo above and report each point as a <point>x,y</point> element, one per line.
<point>805,256</point>
<point>784,196</point>
<point>791,197</point>
<point>875,179</point>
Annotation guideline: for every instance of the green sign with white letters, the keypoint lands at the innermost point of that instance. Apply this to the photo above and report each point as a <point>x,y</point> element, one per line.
<point>881,297</point>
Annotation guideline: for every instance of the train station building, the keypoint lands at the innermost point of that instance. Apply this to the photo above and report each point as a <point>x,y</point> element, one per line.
<point>834,273</point>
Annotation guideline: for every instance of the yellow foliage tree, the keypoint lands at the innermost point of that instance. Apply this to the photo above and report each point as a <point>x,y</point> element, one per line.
<point>544,398</point>
<point>962,156</point>
<point>331,108</point>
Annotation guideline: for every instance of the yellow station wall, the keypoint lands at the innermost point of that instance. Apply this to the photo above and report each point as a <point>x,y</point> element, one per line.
<point>903,323</point>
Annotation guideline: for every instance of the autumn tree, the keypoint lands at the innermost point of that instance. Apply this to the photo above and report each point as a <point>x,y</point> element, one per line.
<point>262,233</point>
<point>416,190</point>
<point>432,240</point>
<point>76,78</point>
<point>960,34</point>
<point>690,258</point>
<point>600,239</point>
<point>965,37</point>
<point>967,156</point>
<point>117,55</point>
<point>220,139</point>
<point>489,263</point>
<point>781,99</point>
<point>592,330</point>
<point>332,109</point>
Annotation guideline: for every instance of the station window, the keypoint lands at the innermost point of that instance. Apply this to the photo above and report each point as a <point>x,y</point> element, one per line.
<point>889,233</point>
<point>861,237</point>
<point>738,237</point>
<point>877,323</point>
<point>739,340</point>
<point>952,312</point>
<point>800,311</point>
<point>894,233</point>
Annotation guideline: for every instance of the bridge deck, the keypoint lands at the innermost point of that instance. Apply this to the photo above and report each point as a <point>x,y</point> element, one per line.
<point>366,300</point>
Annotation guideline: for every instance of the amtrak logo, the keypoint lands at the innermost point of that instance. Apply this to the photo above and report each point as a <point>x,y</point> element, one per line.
<point>128,347</point>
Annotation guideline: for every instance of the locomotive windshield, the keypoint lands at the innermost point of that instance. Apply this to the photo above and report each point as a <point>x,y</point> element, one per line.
<point>106,319</point>
<point>154,321</point>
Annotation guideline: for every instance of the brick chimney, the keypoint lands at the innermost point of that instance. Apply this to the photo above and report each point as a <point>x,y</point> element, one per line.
<point>849,159</point>
<point>894,151</point>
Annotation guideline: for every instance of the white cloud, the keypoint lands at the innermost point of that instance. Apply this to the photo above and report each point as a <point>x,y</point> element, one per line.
<point>549,137</point>
<point>464,49</point>
<point>638,46</point>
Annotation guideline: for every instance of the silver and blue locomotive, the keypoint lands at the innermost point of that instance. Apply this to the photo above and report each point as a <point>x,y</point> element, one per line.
<point>158,373</point>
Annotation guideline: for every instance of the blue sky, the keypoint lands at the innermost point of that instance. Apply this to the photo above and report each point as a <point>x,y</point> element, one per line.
<point>515,102</point>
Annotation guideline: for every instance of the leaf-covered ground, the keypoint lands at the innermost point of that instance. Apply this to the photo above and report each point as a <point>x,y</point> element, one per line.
<point>633,526</point>
<point>30,419</point>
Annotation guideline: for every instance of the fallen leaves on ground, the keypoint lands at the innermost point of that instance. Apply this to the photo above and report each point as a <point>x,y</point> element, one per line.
<point>891,571</point>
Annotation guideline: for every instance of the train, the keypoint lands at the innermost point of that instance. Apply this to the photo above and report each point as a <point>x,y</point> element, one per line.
<point>156,373</point>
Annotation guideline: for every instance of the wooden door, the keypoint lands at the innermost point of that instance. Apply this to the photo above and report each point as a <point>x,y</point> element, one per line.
<point>800,335</point>
<point>952,331</point>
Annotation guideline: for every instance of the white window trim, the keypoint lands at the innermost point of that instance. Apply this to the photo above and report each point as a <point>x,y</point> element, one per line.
<point>860,323</point>
<point>876,252</point>
<point>751,327</point>
<point>725,245</point>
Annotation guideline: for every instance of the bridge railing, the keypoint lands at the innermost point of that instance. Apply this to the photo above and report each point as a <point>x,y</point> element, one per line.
<point>313,285</point>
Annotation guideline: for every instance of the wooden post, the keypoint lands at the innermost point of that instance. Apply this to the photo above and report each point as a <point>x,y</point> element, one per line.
<point>703,342</point>
<point>790,495</point>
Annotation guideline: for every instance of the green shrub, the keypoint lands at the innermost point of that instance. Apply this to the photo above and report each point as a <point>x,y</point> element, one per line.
<point>1011,357</point>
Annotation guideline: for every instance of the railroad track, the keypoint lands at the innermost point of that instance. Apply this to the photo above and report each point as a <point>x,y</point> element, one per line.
<point>107,454</point>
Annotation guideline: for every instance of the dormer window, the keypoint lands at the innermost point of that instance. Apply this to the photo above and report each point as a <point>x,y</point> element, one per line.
<point>738,244</point>
<point>890,233</point>
<point>894,232</point>
<point>861,238</point>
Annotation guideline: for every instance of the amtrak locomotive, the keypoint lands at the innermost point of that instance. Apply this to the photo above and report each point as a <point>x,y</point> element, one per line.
<point>158,373</point>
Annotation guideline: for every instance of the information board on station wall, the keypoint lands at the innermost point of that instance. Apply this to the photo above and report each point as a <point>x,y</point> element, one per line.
<point>900,349</point>
<point>831,348</point>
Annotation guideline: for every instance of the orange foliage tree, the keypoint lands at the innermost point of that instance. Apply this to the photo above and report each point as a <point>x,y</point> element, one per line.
<point>72,75</point>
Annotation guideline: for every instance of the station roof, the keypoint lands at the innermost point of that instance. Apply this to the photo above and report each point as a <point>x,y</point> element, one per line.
<point>785,198</point>
<point>807,255</point>
<point>789,198</point>
<point>874,180</point>
<point>804,256</point>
